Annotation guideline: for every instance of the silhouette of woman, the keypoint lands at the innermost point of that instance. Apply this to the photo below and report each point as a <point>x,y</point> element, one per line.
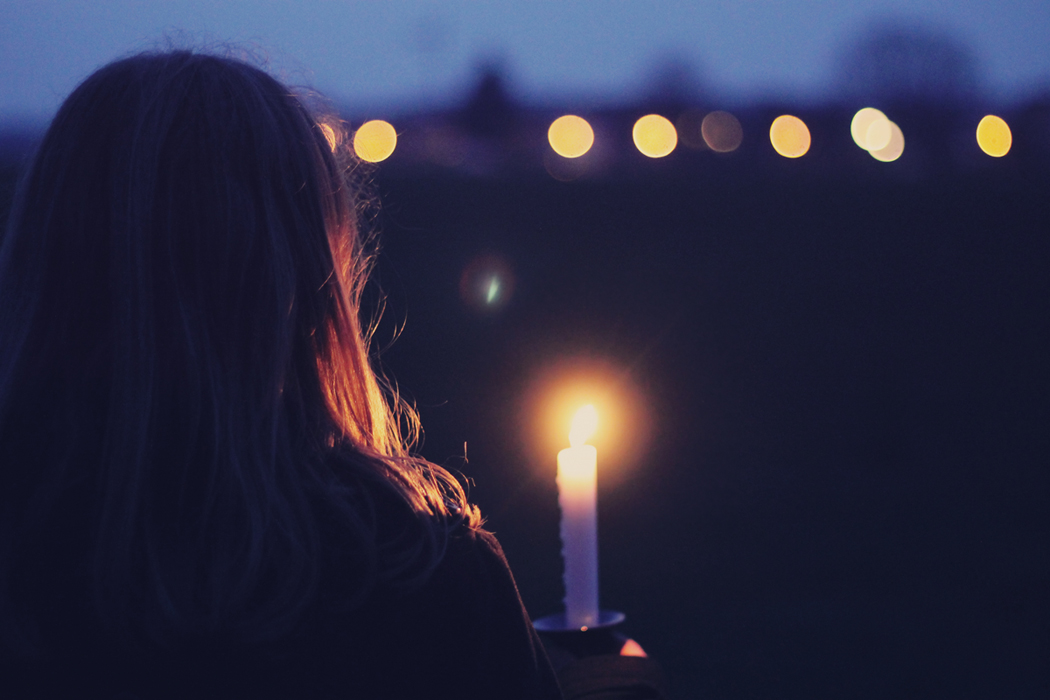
<point>204,488</point>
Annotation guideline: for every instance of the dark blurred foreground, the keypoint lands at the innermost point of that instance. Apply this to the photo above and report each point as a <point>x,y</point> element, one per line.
<point>846,367</point>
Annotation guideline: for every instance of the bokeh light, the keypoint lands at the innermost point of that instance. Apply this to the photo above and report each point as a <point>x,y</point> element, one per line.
<point>570,136</point>
<point>789,136</point>
<point>993,136</point>
<point>862,123</point>
<point>722,132</point>
<point>375,141</point>
<point>893,148</point>
<point>879,134</point>
<point>655,136</point>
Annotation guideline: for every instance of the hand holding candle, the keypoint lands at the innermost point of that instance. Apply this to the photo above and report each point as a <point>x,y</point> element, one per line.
<point>585,630</point>
<point>577,496</point>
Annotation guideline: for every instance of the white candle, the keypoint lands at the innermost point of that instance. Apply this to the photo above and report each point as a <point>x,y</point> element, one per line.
<point>578,498</point>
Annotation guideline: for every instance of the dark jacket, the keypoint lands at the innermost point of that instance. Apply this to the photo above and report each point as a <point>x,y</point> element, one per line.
<point>465,635</point>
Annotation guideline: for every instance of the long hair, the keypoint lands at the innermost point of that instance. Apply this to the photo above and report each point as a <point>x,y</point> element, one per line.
<point>187,404</point>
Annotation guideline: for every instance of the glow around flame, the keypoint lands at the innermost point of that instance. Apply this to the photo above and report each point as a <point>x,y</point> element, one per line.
<point>557,385</point>
<point>584,424</point>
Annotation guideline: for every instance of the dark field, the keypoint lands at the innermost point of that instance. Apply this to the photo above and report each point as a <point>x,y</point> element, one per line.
<point>844,491</point>
<point>845,376</point>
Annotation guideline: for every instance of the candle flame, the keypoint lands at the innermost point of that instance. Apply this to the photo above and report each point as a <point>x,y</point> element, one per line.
<point>584,424</point>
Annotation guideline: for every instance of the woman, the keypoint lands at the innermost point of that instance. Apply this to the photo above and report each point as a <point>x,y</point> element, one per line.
<point>204,488</point>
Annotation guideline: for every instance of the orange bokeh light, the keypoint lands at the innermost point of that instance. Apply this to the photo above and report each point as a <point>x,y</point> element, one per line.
<point>789,136</point>
<point>375,141</point>
<point>655,136</point>
<point>570,136</point>
<point>993,136</point>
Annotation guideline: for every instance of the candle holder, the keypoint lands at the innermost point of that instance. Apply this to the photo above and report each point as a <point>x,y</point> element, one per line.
<point>559,622</point>
<point>600,661</point>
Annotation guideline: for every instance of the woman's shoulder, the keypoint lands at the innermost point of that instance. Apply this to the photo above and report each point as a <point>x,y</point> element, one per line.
<point>465,629</point>
<point>475,546</point>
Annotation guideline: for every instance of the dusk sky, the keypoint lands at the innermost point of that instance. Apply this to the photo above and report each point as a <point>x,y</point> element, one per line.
<point>399,55</point>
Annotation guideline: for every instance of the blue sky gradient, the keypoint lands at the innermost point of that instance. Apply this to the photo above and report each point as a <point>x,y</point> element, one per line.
<point>402,55</point>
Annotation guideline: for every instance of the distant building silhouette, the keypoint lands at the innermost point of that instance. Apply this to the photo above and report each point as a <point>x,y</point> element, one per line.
<point>490,113</point>
<point>674,80</point>
<point>897,62</point>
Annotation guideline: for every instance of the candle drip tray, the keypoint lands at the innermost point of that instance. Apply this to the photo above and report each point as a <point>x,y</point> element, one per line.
<point>560,623</point>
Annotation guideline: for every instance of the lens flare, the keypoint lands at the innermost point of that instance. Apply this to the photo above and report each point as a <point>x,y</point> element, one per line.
<point>789,136</point>
<point>570,136</point>
<point>486,284</point>
<point>722,132</point>
<point>375,141</point>
<point>994,137</point>
<point>655,136</point>
<point>492,295</point>
<point>893,148</point>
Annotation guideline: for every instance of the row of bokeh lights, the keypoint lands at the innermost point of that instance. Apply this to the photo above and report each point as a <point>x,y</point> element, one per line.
<point>571,136</point>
